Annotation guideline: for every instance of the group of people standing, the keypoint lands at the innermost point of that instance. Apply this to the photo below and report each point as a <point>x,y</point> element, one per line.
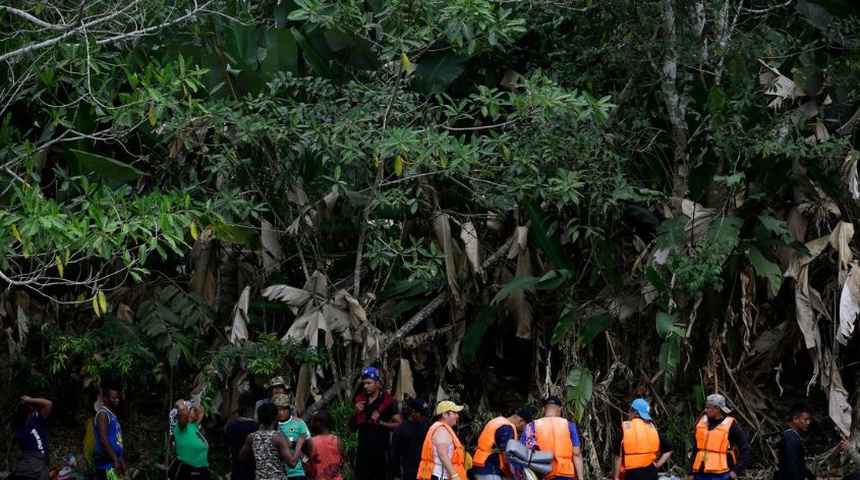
<point>269,442</point>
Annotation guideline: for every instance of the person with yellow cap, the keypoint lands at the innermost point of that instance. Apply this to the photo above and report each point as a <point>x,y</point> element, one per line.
<point>443,456</point>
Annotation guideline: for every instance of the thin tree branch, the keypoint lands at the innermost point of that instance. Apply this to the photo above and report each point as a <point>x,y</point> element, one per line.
<point>32,19</point>
<point>767,9</point>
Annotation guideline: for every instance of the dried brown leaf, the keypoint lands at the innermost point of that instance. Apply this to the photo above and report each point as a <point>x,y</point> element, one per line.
<point>295,297</point>
<point>239,328</point>
<point>469,236</point>
<point>405,382</point>
<point>840,239</point>
<point>442,228</point>
<point>849,305</point>
<point>272,253</point>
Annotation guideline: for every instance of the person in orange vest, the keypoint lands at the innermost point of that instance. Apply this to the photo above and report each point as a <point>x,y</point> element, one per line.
<point>553,433</point>
<point>640,450</point>
<point>489,462</point>
<point>720,448</point>
<point>443,456</point>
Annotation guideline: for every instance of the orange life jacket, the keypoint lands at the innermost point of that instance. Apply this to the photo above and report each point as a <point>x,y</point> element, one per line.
<point>553,435</point>
<point>713,446</point>
<point>640,443</point>
<point>425,468</point>
<point>487,443</point>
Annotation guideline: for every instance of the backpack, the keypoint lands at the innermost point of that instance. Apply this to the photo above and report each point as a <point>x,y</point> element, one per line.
<point>90,440</point>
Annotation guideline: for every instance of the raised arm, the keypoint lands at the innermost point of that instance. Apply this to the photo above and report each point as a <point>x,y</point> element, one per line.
<point>42,404</point>
<point>181,414</point>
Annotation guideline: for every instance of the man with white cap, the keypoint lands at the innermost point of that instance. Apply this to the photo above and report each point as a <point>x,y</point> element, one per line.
<point>640,450</point>
<point>443,456</point>
<point>720,450</point>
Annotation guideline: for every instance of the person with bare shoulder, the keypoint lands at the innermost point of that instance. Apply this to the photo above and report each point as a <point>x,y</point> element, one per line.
<point>109,460</point>
<point>443,456</point>
<point>269,447</point>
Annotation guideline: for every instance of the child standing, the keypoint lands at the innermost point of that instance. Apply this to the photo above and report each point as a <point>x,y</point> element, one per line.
<point>326,451</point>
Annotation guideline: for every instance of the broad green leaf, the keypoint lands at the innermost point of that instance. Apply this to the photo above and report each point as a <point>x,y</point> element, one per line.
<point>665,323</point>
<point>435,71</point>
<point>515,285</point>
<point>777,227</point>
<point>282,54</point>
<point>671,232</point>
<point>580,388</point>
<point>319,65</point>
<point>552,279</point>
<point>475,331</point>
<point>670,356</point>
<point>551,245</point>
<point>565,321</point>
<point>766,269</point>
<point>105,167</point>
<point>592,327</point>
<point>656,279</point>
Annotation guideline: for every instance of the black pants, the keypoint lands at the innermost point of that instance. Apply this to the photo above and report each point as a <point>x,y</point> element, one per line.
<point>182,471</point>
<point>371,464</point>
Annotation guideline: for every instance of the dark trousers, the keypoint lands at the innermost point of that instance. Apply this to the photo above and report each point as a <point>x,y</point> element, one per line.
<point>182,471</point>
<point>371,465</point>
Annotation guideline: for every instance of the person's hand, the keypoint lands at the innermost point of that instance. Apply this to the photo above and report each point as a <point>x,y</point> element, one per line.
<point>733,475</point>
<point>119,467</point>
<point>690,477</point>
<point>374,417</point>
<point>846,444</point>
<point>25,399</point>
<point>359,407</point>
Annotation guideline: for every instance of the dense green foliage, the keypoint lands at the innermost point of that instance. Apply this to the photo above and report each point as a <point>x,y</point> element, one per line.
<point>609,198</point>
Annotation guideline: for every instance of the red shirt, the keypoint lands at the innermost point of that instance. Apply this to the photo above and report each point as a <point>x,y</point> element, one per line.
<point>324,460</point>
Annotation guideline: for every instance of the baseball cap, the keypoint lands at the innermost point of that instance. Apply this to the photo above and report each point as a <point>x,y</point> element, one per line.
<point>718,401</point>
<point>553,400</point>
<point>642,408</point>
<point>418,405</point>
<point>371,373</point>
<point>448,406</point>
<point>525,414</point>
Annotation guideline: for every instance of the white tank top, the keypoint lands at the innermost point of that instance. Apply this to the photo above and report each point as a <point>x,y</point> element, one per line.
<point>438,470</point>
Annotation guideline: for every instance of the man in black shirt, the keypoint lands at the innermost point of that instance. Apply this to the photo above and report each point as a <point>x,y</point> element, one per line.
<point>236,433</point>
<point>408,439</point>
<point>374,415</point>
<point>792,461</point>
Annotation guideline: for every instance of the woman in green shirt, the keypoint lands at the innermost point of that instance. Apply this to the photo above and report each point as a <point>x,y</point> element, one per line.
<point>192,449</point>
